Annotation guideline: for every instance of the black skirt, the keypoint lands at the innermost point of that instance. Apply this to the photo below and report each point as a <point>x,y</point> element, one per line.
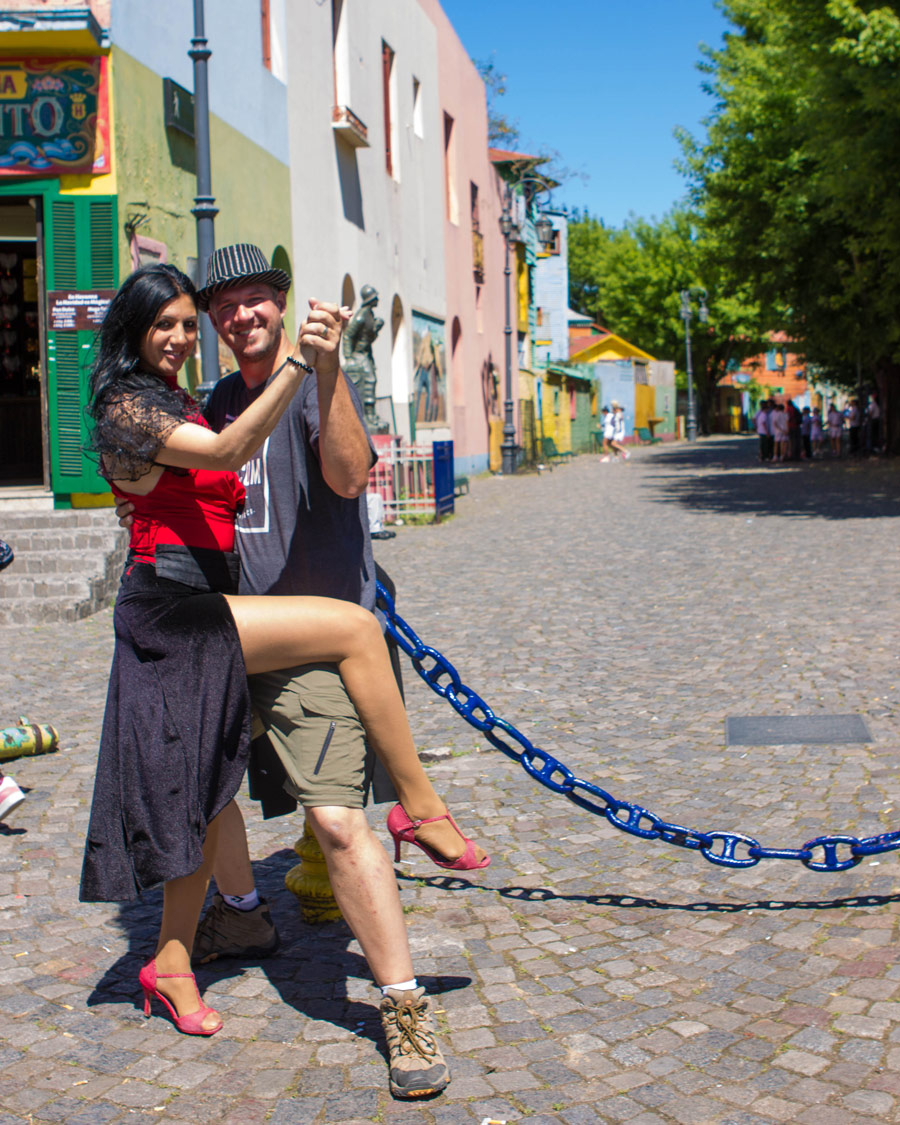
<point>175,740</point>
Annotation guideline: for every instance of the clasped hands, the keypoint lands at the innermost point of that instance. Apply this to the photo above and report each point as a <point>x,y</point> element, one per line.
<point>318,343</point>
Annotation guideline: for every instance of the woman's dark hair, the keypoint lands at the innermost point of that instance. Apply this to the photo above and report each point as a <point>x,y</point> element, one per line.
<point>133,409</point>
<point>128,320</point>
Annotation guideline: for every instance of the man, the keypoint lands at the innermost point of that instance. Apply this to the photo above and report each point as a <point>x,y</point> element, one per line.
<point>873,415</point>
<point>304,531</point>
<point>853,425</point>
<point>761,422</point>
<point>794,418</point>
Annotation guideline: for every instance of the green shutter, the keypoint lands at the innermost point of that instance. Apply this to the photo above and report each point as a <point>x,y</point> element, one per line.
<point>80,254</point>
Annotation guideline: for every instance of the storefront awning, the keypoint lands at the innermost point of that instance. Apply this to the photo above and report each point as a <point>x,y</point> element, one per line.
<point>62,30</point>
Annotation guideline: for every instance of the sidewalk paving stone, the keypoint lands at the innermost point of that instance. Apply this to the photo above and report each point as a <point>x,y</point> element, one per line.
<point>617,615</point>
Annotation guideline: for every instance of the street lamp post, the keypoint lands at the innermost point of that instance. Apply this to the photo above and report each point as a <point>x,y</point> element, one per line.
<point>545,233</point>
<point>686,313</point>
<point>204,209</point>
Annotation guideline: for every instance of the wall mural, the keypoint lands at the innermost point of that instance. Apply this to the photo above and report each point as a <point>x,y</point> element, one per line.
<point>430,371</point>
<point>54,116</point>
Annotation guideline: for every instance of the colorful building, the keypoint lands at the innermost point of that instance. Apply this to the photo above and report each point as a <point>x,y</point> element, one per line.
<point>780,373</point>
<point>565,395</point>
<point>551,294</point>
<point>473,252</point>
<point>521,180</point>
<point>366,166</point>
<point>367,189</point>
<point>625,373</point>
<point>390,112</point>
<point>97,176</point>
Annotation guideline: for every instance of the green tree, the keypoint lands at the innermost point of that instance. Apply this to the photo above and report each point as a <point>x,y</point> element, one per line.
<point>589,243</point>
<point>798,172</point>
<point>630,281</point>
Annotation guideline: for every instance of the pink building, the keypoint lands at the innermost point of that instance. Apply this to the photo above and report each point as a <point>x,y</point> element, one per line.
<point>473,254</point>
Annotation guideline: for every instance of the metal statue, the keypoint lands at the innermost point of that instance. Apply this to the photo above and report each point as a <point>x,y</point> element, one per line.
<point>359,363</point>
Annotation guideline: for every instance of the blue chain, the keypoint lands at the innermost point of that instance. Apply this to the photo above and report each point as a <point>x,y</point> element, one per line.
<point>726,849</point>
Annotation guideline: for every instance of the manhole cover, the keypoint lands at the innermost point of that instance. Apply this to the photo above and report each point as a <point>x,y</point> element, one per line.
<point>777,730</point>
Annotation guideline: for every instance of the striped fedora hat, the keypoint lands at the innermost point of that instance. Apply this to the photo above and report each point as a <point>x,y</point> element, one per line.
<point>236,265</point>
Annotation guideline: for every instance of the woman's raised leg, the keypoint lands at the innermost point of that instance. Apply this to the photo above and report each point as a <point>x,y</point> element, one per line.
<point>279,632</point>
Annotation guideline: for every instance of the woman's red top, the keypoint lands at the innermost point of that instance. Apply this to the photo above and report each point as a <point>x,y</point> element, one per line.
<point>192,507</point>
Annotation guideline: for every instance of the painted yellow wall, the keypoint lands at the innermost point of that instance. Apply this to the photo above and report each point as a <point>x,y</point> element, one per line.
<point>62,43</point>
<point>156,175</point>
<point>74,41</point>
<point>557,420</point>
<point>521,281</point>
<point>644,404</point>
<point>98,185</point>
<point>610,347</point>
<point>495,439</point>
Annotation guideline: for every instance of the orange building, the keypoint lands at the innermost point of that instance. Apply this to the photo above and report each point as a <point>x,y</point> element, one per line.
<point>779,373</point>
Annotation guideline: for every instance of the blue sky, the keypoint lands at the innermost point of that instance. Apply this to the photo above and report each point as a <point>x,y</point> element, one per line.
<point>602,82</point>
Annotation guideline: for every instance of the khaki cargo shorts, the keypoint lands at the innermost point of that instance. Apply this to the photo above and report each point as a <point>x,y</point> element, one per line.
<point>316,732</point>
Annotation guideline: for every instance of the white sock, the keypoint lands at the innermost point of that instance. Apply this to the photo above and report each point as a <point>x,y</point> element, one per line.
<point>248,901</point>
<point>403,986</point>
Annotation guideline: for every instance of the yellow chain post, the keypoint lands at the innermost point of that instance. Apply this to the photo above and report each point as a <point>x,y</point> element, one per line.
<point>27,739</point>
<point>310,883</point>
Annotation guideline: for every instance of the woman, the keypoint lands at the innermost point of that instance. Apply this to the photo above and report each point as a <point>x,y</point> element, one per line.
<point>176,730</point>
<point>835,429</point>
<point>816,434</point>
<point>617,445</point>
<point>780,432</point>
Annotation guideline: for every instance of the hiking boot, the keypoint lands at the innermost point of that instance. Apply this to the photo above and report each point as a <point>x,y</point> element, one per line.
<point>227,932</point>
<point>417,1065</point>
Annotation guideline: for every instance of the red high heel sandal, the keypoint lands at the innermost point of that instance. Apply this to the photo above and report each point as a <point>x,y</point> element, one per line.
<point>191,1024</point>
<point>402,828</point>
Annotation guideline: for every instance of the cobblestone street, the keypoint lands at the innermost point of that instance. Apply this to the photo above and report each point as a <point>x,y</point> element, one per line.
<point>617,614</point>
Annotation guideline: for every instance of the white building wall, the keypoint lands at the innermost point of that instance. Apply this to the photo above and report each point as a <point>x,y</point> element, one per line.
<point>158,34</point>
<point>350,216</point>
<point>551,296</point>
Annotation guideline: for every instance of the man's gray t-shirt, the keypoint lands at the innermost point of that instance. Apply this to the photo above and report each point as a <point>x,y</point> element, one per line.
<point>295,534</point>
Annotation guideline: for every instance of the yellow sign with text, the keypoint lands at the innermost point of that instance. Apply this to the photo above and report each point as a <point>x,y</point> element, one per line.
<point>13,83</point>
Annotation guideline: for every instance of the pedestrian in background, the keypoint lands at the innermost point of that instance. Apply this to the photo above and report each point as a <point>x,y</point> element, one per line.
<point>761,425</point>
<point>873,417</point>
<point>853,421</point>
<point>835,429</point>
<point>770,422</point>
<point>815,431</point>
<point>806,433</point>
<point>609,428</point>
<point>794,435</point>
<point>617,445</point>
<point>780,433</point>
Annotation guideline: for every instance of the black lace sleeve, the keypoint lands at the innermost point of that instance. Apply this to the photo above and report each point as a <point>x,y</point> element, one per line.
<point>132,424</point>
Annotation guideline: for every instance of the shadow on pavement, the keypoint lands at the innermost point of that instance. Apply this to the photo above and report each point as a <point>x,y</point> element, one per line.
<point>725,477</point>
<point>309,971</point>
<point>632,902</point>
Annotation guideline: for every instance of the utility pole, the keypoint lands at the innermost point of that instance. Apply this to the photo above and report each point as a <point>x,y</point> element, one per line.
<point>204,208</point>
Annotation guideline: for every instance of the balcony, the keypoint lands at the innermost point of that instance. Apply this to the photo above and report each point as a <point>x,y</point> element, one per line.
<point>348,127</point>
<point>478,255</point>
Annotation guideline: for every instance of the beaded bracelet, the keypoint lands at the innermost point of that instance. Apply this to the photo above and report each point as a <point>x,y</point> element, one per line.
<point>303,366</point>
